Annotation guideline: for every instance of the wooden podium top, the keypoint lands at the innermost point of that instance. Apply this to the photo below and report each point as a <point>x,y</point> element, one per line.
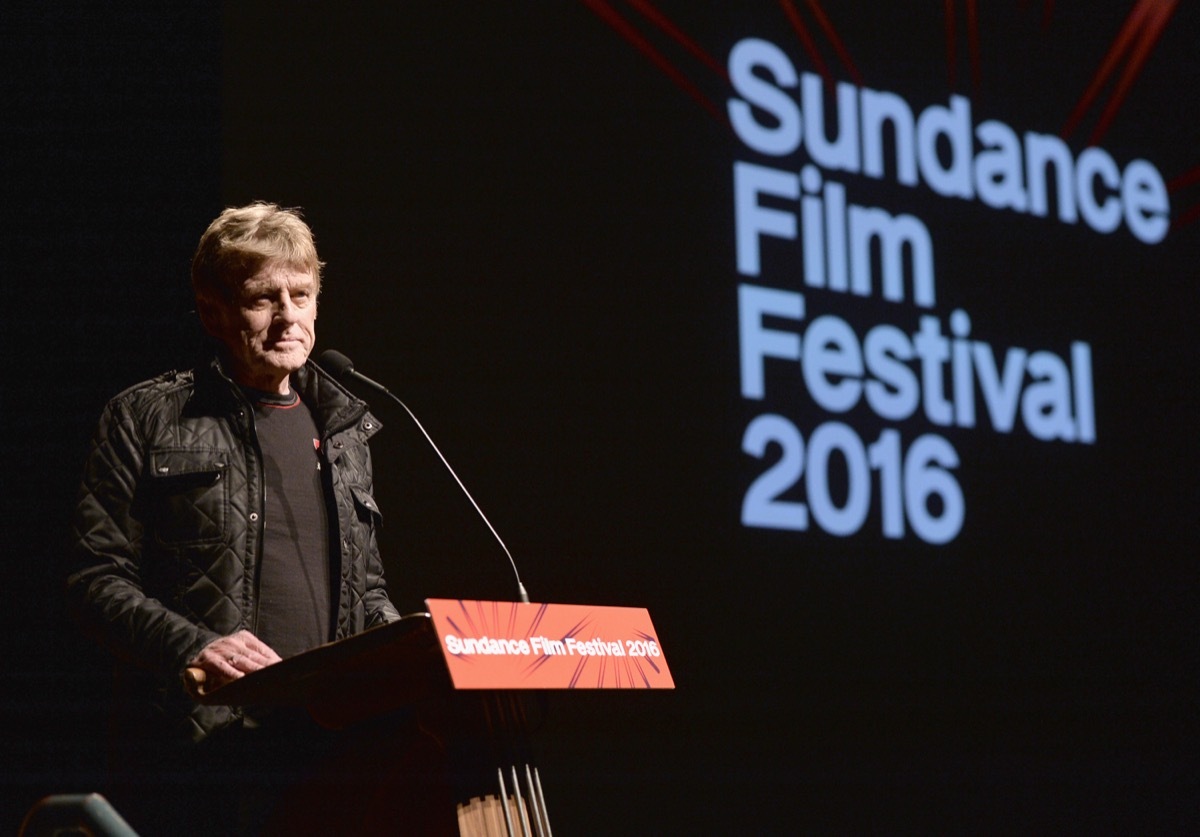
<point>458,645</point>
<point>378,670</point>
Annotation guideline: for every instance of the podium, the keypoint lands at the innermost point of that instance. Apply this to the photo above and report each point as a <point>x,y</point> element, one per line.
<point>434,711</point>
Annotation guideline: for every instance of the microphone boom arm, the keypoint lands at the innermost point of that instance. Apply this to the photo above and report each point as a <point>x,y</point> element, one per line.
<point>341,367</point>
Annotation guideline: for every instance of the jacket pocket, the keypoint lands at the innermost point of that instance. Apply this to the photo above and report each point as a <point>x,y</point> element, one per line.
<point>365,507</point>
<point>189,494</point>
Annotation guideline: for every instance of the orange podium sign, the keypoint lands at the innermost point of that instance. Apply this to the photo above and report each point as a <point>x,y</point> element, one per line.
<point>513,645</point>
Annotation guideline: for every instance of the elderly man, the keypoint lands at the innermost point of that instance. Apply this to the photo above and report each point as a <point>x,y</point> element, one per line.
<point>226,517</point>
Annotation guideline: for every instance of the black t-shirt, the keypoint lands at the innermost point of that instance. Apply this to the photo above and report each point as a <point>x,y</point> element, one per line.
<point>294,584</point>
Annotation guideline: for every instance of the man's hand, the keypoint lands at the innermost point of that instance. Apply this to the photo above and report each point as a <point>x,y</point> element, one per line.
<point>233,656</point>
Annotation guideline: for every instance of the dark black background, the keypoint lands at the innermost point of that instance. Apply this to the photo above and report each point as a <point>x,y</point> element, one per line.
<point>529,236</point>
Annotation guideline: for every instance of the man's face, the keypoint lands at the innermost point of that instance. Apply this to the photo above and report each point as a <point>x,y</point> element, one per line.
<point>269,328</point>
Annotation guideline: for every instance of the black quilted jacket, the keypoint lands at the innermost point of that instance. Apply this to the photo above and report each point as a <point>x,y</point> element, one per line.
<point>168,528</point>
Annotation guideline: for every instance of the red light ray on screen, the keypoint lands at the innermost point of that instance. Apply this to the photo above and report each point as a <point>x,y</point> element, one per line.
<point>1185,218</point>
<point>606,12</point>
<point>1134,43</point>
<point>951,49</point>
<point>1184,180</point>
<point>675,33</point>
<point>806,41</point>
<point>810,47</point>
<point>1047,11</point>
<point>626,30</point>
<point>835,41</point>
<point>1178,183</point>
<point>972,43</point>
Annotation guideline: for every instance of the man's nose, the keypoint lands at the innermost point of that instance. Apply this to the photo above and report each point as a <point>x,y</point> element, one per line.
<point>286,310</point>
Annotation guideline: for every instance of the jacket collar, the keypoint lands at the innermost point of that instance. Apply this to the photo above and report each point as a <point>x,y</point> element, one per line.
<point>333,407</point>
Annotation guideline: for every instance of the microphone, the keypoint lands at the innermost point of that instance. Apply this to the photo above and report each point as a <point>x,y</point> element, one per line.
<point>342,368</point>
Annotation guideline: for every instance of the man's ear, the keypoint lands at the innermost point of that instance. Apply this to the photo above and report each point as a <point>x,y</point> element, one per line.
<point>210,316</point>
